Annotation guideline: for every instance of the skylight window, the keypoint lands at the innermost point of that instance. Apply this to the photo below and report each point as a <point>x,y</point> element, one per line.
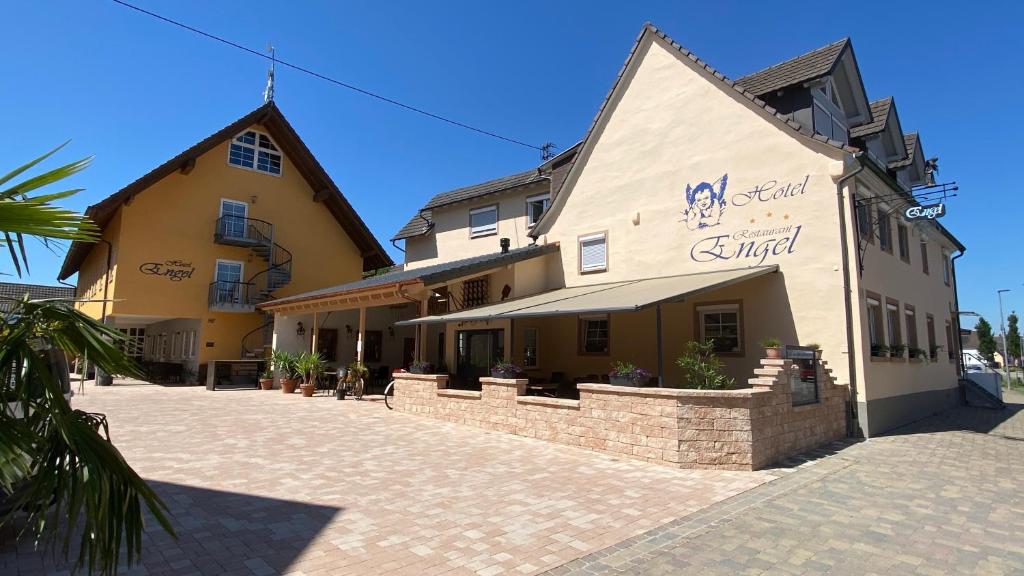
<point>255,151</point>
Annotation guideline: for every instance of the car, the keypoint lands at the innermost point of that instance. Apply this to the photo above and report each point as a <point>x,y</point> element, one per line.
<point>974,368</point>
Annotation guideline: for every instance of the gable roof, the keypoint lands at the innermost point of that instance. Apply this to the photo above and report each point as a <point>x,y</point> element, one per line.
<point>15,291</point>
<point>796,129</point>
<point>418,226</point>
<point>270,117</point>
<point>804,68</point>
<point>426,275</point>
<point>910,141</point>
<point>879,119</point>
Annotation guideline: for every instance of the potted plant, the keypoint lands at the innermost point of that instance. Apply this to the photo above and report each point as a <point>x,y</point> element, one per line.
<point>421,367</point>
<point>817,349</point>
<point>879,350</point>
<point>918,353</point>
<point>284,363</point>
<point>505,369</point>
<point>897,350</point>
<point>772,347</point>
<point>627,374</point>
<point>702,368</point>
<point>934,352</point>
<point>310,367</point>
<point>267,377</point>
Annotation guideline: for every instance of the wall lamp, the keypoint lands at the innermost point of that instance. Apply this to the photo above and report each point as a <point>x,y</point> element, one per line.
<point>300,330</point>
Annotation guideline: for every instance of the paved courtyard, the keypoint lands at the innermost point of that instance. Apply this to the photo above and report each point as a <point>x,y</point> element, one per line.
<point>943,496</point>
<point>264,483</point>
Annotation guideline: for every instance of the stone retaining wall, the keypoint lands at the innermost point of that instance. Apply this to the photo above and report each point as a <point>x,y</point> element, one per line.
<point>745,429</point>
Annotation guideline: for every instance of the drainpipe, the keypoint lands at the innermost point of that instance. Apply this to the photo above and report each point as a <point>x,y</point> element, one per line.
<point>956,317</point>
<point>102,378</point>
<point>847,292</point>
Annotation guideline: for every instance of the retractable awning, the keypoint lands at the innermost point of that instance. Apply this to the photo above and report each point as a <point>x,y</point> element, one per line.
<point>625,296</point>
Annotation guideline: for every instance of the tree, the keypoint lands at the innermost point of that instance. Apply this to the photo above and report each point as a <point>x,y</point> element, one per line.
<point>1012,337</point>
<point>58,468</point>
<point>986,342</point>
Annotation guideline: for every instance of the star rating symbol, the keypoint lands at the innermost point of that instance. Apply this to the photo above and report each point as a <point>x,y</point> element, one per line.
<point>752,220</point>
<point>785,216</point>
<point>769,214</point>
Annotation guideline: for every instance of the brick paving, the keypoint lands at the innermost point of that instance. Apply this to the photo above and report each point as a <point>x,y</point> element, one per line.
<point>942,496</point>
<point>264,483</point>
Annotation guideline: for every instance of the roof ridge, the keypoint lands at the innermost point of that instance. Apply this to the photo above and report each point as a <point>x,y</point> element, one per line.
<point>843,40</point>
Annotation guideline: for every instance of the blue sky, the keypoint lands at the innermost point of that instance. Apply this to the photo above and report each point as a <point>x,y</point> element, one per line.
<point>134,92</point>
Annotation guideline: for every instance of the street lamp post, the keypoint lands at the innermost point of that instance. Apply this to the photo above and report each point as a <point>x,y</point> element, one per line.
<point>1002,330</point>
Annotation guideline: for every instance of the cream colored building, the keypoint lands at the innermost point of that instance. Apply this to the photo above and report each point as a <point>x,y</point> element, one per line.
<point>695,208</point>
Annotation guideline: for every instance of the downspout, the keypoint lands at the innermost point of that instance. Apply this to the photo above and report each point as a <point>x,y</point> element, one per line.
<point>847,293</point>
<point>956,308</point>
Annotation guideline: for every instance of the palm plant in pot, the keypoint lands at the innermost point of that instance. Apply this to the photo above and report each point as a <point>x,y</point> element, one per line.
<point>505,369</point>
<point>627,374</point>
<point>267,376</point>
<point>772,347</point>
<point>310,366</point>
<point>284,363</point>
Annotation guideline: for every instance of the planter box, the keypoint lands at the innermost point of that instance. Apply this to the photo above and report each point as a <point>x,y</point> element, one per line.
<point>505,375</point>
<point>420,370</point>
<point>624,381</point>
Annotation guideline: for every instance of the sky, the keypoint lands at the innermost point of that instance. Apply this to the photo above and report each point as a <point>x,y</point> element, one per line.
<point>133,92</point>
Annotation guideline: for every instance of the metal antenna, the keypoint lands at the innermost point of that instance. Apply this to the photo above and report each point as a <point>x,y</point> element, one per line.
<point>547,151</point>
<point>268,92</point>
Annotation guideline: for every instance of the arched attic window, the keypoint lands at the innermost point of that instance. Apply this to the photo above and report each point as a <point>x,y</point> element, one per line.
<point>254,150</point>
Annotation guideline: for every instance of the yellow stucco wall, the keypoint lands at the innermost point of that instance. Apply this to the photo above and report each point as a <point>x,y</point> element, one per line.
<point>175,219</point>
<point>450,240</point>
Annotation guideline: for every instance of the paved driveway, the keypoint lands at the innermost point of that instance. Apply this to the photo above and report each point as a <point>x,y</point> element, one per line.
<point>943,496</point>
<point>263,483</point>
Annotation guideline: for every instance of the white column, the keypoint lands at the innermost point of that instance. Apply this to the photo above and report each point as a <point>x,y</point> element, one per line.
<point>360,343</point>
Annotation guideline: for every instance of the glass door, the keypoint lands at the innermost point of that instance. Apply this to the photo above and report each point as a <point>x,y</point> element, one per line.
<point>233,218</point>
<point>476,352</point>
<point>229,282</point>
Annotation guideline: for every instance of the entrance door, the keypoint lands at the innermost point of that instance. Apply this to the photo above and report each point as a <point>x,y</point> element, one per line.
<point>476,352</point>
<point>233,218</point>
<point>229,278</point>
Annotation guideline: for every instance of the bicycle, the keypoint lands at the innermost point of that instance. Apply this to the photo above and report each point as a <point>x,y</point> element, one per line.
<point>354,385</point>
<point>389,394</point>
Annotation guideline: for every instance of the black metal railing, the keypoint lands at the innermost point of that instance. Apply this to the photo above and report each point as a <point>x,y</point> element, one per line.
<point>243,230</point>
<point>277,274</point>
<point>226,295</point>
<point>259,338</point>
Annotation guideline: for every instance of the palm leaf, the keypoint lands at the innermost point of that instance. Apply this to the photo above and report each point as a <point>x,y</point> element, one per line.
<point>14,173</point>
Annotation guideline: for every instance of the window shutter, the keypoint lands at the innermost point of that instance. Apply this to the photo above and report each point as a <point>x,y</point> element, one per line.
<point>593,253</point>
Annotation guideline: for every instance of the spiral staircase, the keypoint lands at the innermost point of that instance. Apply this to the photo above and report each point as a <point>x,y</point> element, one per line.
<point>244,296</point>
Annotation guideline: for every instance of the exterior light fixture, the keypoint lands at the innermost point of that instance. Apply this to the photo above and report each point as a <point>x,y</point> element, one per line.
<point>300,330</point>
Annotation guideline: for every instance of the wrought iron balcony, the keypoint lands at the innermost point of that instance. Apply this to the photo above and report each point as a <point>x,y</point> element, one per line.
<point>232,296</point>
<point>241,231</point>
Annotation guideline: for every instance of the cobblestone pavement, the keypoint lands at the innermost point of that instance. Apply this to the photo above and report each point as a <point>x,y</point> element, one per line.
<point>264,483</point>
<point>942,496</point>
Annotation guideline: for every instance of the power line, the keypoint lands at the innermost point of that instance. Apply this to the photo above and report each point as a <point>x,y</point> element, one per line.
<point>327,78</point>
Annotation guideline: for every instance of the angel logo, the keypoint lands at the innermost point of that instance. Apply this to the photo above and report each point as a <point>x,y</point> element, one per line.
<point>705,204</point>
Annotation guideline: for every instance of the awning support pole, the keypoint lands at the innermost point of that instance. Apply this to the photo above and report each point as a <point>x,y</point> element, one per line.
<point>312,339</point>
<point>661,352</point>
<point>360,344</point>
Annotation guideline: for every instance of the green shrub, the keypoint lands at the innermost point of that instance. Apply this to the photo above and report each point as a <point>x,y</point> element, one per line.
<point>701,367</point>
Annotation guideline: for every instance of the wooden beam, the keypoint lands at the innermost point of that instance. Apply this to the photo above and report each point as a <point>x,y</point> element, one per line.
<point>321,195</point>
<point>188,166</point>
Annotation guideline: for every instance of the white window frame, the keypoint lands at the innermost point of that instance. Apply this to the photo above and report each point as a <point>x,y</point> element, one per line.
<point>536,347</point>
<point>245,214</point>
<point>546,198</point>
<point>581,324</point>
<point>835,115</point>
<point>241,275</point>
<point>704,309</point>
<point>603,266</point>
<point>256,149</point>
<point>876,334</point>
<point>481,231</point>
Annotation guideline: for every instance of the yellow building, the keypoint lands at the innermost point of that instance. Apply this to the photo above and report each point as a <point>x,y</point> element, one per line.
<point>189,249</point>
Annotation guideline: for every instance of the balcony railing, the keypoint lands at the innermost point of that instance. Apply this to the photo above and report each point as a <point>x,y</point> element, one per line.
<point>232,296</point>
<point>241,231</point>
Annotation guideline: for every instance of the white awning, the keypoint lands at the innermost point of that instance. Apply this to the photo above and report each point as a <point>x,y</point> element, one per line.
<point>625,296</point>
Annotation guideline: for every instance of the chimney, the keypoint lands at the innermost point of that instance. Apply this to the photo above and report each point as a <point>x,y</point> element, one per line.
<point>505,243</point>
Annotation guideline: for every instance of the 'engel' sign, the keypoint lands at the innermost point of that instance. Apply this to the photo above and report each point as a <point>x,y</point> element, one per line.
<point>929,212</point>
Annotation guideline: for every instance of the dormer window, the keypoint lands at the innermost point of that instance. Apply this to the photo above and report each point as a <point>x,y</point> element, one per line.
<point>255,151</point>
<point>829,119</point>
<point>535,208</point>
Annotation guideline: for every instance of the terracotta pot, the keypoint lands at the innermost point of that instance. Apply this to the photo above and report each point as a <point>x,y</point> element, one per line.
<point>307,390</point>
<point>773,353</point>
<point>266,383</point>
<point>288,385</point>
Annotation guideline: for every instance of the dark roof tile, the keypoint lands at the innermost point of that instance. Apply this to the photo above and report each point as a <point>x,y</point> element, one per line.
<point>809,66</point>
<point>14,291</point>
<point>879,119</point>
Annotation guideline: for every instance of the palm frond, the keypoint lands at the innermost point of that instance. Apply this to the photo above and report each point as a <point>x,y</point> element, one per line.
<point>14,173</point>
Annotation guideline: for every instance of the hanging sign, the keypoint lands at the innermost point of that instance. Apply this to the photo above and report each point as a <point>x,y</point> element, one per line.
<point>929,212</point>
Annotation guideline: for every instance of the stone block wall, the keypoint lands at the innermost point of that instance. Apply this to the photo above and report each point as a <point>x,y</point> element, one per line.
<point>744,429</point>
